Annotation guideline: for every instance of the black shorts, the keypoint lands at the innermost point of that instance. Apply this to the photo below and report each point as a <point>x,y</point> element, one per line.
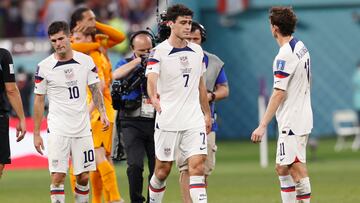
<point>4,139</point>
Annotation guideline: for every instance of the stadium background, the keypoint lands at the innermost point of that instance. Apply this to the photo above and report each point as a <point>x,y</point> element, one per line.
<point>329,28</point>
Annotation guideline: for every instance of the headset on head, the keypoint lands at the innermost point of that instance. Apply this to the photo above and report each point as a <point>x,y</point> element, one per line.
<point>202,30</point>
<point>132,37</point>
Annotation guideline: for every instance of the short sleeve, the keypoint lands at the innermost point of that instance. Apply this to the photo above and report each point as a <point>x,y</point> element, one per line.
<point>99,64</point>
<point>153,63</point>
<point>221,79</point>
<point>40,81</point>
<point>120,63</point>
<point>7,66</point>
<point>283,68</point>
<point>93,72</point>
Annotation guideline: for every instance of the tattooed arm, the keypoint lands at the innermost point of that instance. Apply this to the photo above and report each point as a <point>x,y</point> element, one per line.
<point>97,98</point>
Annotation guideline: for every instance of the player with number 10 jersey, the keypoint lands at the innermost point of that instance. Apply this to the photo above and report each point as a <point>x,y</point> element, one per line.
<point>64,83</point>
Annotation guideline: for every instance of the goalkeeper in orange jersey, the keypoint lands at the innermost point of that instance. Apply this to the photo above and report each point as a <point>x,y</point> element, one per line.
<point>86,41</point>
<point>83,19</point>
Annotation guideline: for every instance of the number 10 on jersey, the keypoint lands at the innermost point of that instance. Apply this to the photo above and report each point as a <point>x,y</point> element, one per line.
<point>74,92</point>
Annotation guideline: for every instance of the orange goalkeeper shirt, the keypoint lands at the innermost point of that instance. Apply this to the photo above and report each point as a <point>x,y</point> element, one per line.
<point>104,73</point>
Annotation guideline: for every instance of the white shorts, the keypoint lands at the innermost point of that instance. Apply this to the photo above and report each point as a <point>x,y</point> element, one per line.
<point>210,158</point>
<point>169,145</point>
<point>81,150</point>
<point>291,148</point>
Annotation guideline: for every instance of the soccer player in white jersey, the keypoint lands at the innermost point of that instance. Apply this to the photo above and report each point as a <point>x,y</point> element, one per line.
<point>291,102</point>
<point>177,91</point>
<point>64,77</point>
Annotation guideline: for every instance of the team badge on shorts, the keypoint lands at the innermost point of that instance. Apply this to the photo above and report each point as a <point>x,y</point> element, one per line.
<point>54,163</point>
<point>167,151</point>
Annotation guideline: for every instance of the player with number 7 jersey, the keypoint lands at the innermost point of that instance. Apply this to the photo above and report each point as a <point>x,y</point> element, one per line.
<point>177,90</point>
<point>179,72</point>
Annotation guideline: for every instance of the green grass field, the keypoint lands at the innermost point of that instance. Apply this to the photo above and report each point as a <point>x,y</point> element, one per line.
<point>238,178</point>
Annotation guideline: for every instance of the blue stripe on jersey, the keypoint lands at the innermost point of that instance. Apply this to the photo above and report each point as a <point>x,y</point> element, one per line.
<point>221,79</point>
<point>292,43</point>
<point>175,50</point>
<point>60,63</point>
<point>206,60</point>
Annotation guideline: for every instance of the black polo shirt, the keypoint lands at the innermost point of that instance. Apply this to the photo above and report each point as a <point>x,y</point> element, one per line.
<point>7,74</point>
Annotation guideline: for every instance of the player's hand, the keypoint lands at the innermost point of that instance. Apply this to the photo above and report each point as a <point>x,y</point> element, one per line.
<point>105,122</point>
<point>208,123</point>
<point>102,39</point>
<point>84,26</point>
<point>38,143</point>
<point>258,133</point>
<point>155,101</point>
<point>20,130</point>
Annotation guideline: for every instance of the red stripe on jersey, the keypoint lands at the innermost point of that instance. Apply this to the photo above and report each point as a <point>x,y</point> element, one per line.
<point>152,63</point>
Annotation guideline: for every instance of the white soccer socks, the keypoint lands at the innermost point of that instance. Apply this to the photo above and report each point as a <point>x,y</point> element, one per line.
<point>81,193</point>
<point>303,190</point>
<point>57,194</point>
<point>156,190</point>
<point>198,189</point>
<point>288,194</point>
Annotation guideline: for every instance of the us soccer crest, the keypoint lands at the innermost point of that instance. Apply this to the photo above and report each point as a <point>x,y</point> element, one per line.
<point>184,61</point>
<point>69,74</point>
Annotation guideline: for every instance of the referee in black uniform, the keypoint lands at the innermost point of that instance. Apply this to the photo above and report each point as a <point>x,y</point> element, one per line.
<point>9,93</point>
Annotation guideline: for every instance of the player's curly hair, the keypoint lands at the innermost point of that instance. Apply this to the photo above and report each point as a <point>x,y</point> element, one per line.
<point>178,10</point>
<point>284,18</point>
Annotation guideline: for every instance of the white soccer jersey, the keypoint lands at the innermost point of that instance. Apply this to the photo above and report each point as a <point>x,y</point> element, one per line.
<point>64,83</point>
<point>292,73</point>
<point>179,72</point>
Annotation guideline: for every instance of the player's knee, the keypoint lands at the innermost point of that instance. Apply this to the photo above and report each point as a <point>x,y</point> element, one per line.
<point>197,168</point>
<point>58,178</point>
<point>162,173</point>
<point>100,155</point>
<point>281,170</point>
<point>83,178</point>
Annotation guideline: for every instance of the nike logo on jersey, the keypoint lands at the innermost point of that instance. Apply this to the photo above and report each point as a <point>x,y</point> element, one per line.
<point>85,166</point>
<point>281,159</point>
<point>202,148</point>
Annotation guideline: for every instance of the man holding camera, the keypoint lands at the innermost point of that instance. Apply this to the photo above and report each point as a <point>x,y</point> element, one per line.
<point>136,113</point>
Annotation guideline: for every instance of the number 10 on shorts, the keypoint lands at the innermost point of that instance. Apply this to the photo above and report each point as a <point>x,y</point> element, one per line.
<point>89,156</point>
